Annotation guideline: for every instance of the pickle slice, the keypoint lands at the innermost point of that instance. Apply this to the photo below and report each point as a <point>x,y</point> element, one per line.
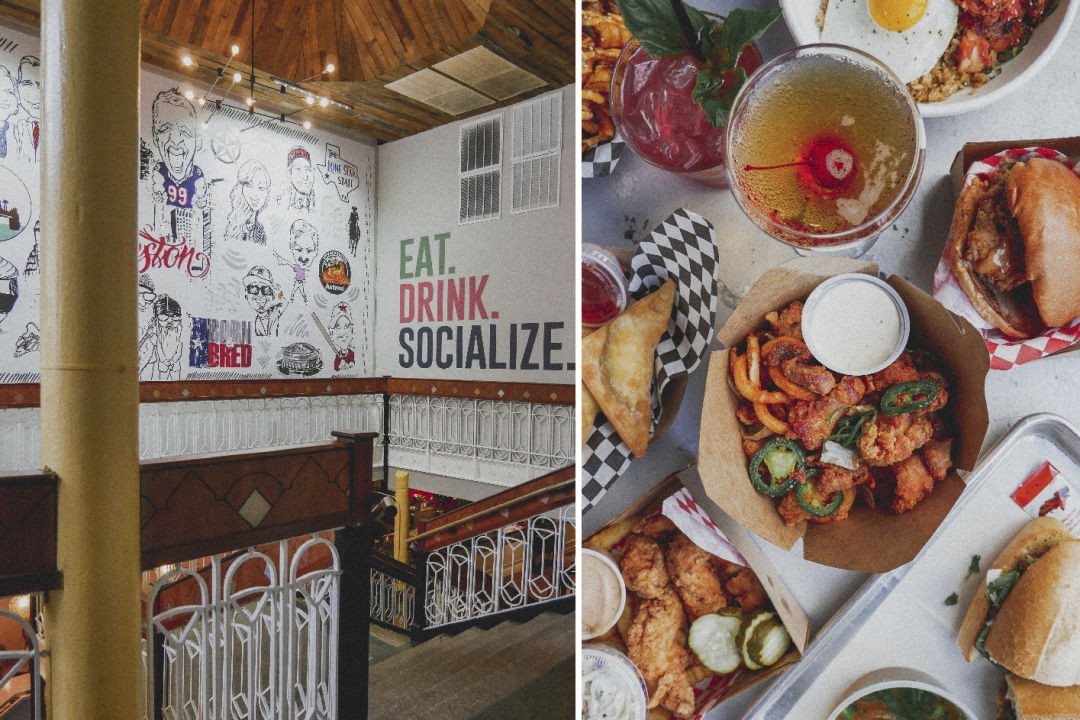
<point>768,643</point>
<point>746,635</point>
<point>712,638</point>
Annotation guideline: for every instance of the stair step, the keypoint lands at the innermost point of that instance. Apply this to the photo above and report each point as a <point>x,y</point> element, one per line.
<point>481,671</point>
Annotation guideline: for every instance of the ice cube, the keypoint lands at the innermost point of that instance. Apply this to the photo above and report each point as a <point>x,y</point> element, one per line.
<point>671,149</point>
<point>692,153</point>
<point>637,76</point>
<point>680,75</point>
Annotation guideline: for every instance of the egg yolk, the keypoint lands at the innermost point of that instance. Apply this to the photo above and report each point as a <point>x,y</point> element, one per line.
<point>896,15</point>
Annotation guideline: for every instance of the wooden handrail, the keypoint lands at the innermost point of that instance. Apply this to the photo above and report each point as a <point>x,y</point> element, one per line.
<point>538,495</point>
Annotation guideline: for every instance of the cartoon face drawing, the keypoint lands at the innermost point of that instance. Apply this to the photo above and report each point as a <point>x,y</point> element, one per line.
<point>341,330</point>
<point>255,185</point>
<point>258,293</point>
<point>168,328</point>
<point>300,172</point>
<point>30,85</point>
<point>175,130</point>
<point>9,98</point>
<point>303,242</point>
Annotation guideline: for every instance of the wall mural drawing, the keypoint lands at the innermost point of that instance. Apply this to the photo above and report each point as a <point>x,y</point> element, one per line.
<point>247,199</point>
<point>222,295</point>
<point>28,121</point>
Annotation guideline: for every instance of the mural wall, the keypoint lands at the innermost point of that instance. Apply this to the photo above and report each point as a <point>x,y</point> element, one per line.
<point>255,242</point>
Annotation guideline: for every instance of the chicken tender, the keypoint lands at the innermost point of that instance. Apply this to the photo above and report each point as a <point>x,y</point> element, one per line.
<point>657,526</point>
<point>656,643</point>
<point>691,571</point>
<point>747,590</point>
<point>901,370</point>
<point>893,439</point>
<point>788,321</point>
<point>642,566</point>
<point>913,483</point>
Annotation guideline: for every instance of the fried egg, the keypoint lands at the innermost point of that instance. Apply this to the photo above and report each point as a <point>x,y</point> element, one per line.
<point>909,36</point>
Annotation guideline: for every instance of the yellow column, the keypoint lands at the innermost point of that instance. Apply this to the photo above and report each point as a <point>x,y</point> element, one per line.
<point>401,520</point>
<point>89,381</point>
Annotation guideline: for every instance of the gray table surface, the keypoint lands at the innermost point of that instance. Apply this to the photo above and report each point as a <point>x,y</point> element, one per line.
<point>630,202</point>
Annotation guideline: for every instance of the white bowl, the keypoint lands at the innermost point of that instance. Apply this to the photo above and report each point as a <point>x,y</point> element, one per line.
<point>605,564</point>
<point>801,19</point>
<point>890,678</point>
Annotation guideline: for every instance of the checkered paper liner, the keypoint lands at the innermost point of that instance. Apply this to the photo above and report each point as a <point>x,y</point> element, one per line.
<point>682,247</point>
<point>1005,352</point>
<point>602,159</point>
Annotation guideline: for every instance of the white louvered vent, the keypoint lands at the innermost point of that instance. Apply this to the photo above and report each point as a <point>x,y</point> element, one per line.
<point>536,144</point>
<point>480,170</point>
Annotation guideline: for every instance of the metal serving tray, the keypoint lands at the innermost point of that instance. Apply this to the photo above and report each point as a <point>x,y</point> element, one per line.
<point>900,618</point>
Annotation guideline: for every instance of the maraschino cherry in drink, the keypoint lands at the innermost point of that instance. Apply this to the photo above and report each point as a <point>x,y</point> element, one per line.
<point>655,113</point>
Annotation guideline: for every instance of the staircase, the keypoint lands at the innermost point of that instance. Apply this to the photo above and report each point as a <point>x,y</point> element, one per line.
<point>513,669</point>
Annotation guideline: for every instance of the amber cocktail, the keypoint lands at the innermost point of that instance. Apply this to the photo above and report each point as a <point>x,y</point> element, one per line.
<point>825,148</point>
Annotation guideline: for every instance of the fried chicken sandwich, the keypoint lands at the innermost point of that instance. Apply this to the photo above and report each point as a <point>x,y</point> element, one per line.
<point>1015,246</point>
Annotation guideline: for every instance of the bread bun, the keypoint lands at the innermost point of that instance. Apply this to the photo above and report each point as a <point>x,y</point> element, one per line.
<point>1032,701</point>
<point>1036,633</point>
<point>1033,540</point>
<point>1044,196</point>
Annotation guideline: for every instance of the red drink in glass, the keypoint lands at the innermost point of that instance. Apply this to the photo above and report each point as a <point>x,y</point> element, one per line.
<point>655,113</point>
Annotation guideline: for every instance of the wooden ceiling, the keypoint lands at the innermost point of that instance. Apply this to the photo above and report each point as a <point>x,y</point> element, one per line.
<point>370,42</point>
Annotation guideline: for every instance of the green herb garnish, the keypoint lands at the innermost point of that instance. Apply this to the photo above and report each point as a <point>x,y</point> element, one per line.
<point>998,589</point>
<point>669,27</point>
<point>973,568</point>
<point>851,427</point>
<point>952,599</point>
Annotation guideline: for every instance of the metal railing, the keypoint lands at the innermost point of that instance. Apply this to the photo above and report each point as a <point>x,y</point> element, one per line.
<point>20,669</point>
<point>507,553</point>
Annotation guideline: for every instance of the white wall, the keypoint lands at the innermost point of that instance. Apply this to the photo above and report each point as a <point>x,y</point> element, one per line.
<point>528,259</point>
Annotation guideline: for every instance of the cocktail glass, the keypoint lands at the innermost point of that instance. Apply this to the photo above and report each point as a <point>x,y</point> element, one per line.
<point>825,149</point>
<point>654,112</point>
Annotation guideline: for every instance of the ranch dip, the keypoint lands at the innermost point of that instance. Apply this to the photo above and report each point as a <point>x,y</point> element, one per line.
<point>855,324</point>
<point>612,688</point>
<point>603,594</point>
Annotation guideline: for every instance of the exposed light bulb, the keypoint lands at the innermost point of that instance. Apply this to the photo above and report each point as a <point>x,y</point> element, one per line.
<point>189,95</point>
<point>310,100</point>
<point>20,605</point>
<point>235,50</point>
<point>329,67</point>
<point>202,101</point>
<point>188,62</point>
<point>307,124</point>
<point>237,77</point>
<point>323,102</point>
<point>250,100</point>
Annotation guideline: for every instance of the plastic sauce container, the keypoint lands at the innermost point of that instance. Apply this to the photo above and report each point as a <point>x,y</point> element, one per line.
<point>603,593</point>
<point>604,290</point>
<point>855,324</point>
<point>611,685</point>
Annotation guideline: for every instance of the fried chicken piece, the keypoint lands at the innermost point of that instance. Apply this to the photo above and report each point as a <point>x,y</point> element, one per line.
<point>834,478</point>
<point>788,321</point>
<point>812,421</point>
<point>747,590</point>
<point>943,392</point>
<point>937,454</point>
<point>901,370</point>
<point>790,511</point>
<point>815,378</point>
<point>890,440</point>
<point>787,348</point>
<point>642,566</point>
<point>695,580</point>
<point>746,414</point>
<point>656,643</point>
<point>750,447</point>
<point>913,483</point>
<point>657,526</point>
